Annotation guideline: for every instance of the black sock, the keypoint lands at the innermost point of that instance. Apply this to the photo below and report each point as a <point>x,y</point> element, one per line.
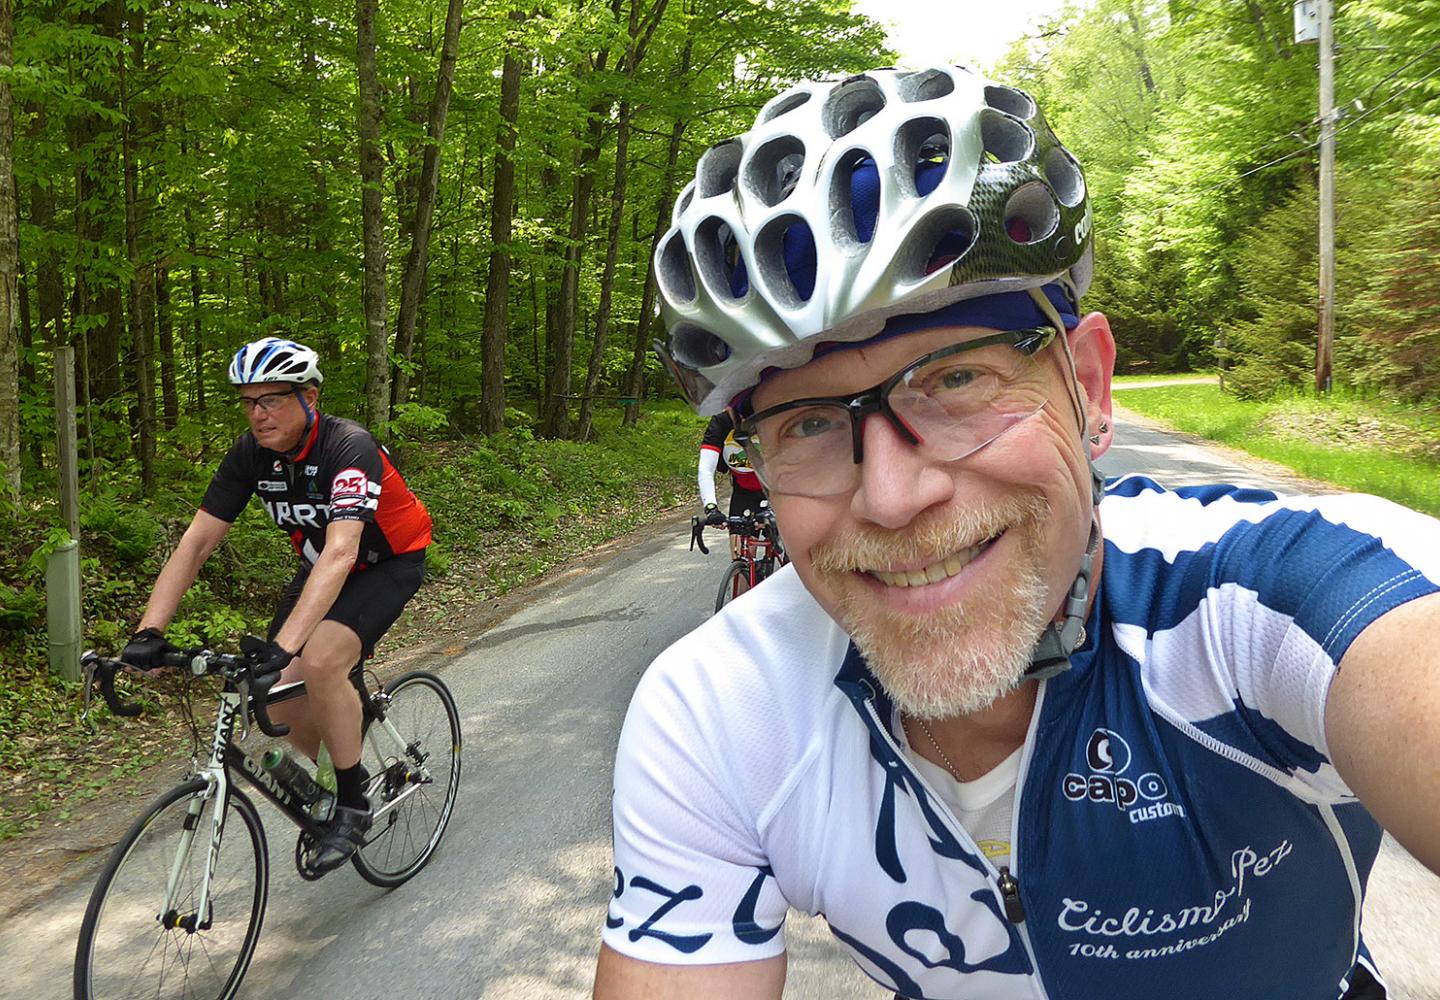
<point>350,786</point>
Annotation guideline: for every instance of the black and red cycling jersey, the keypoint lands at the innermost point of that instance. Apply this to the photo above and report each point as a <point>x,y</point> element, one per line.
<point>720,438</point>
<point>340,474</point>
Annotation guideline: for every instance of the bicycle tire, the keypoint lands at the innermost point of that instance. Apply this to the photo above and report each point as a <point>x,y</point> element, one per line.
<point>109,962</point>
<point>403,839</point>
<point>734,583</point>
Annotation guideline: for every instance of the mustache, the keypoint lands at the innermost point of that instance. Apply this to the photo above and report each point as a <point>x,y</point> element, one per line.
<point>929,538</point>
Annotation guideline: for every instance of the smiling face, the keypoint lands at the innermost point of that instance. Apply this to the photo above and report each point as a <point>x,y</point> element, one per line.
<point>945,573</point>
<point>276,417</point>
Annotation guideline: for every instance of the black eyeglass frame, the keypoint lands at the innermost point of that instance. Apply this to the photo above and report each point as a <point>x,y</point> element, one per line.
<point>249,403</point>
<point>876,399</point>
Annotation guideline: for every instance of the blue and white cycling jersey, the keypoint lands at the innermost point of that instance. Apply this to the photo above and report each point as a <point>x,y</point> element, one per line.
<point>1178,828</point>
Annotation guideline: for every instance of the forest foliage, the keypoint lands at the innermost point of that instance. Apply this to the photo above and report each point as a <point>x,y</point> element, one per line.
<point>1198,124</point>
<point>456,202</point>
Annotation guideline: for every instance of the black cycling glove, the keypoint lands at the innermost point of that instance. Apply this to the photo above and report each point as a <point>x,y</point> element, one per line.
<point>713,517</point>
<point>146,648</point>
<point>271,659</point>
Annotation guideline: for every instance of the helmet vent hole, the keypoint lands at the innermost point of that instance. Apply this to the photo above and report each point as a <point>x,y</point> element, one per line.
<point>718,168</point>
<point>785,257</point>
<point>1064,176</point>
<point>783,105</point>
<point>855,198</point>
<point>1005,139</point>
<point>1011,101</point>
<point>721,264</point>
<point>696,348</point>
<point>775,168</point>
<point>1031,214</point>
<point>683,202</point>
<point>850,105</point>
<point>677,280</point>
<point>923,144</point>
<point>926,86</point>
<point>937,242</point>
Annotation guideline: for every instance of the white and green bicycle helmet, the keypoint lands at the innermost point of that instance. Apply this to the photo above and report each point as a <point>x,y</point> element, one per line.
<point>848,203</point>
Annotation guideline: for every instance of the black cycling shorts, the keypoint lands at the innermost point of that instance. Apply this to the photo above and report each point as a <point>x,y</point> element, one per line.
<point>369,602</point>
<point>742,500</point>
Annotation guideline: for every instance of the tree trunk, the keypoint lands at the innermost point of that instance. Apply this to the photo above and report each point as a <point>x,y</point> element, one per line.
<point>372,211</point>
<point>166,331</point>
<point>635,384</point>
<point>1137,29</point>
<point>502,217</point>
<point>607,280</point>
<point>49,285</point>
<point>556,417</point>
<point>9,268</point>
<point>142,282</point>
<point>414,283</point>
<point>197,331</point>
<point>95,294</point>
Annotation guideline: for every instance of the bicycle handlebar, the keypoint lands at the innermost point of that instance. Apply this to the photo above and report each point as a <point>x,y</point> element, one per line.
<point>200,662</point>
<point>697,534</point>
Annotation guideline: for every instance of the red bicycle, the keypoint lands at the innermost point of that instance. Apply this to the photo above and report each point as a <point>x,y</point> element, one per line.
<point>759,553</point>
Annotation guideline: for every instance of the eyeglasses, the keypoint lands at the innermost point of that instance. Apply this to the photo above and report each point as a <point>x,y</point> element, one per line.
<point>270,402</point>
<point>949,404</point>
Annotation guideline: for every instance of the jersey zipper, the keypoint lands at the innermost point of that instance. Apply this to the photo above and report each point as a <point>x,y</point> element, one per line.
<point>1004,882</point>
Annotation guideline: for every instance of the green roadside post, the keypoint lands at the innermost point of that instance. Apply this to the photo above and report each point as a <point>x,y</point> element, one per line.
<point>62,596</point>
<point>62,570</point>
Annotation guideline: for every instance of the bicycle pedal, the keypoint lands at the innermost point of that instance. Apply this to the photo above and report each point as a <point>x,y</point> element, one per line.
<point>304,850</point>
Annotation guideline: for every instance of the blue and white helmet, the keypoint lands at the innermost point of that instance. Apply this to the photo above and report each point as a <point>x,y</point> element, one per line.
<point>273,359</point>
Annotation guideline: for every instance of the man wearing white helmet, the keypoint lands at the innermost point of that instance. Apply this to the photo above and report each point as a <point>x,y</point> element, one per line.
<point>361,537</point>
<point>1003,754</point>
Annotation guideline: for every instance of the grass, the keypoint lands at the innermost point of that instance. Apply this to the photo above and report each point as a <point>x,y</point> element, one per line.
<point>507,508</point>
<point>1357,443</point>
<point>1124,380</point>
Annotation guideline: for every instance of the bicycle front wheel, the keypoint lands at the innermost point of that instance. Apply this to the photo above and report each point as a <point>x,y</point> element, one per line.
<point>413,756</point>
<point>734,583</point>
<point>132,944</point>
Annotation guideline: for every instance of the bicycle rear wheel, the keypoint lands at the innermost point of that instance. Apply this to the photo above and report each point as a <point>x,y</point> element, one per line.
<point>734,583</point>
<point>413,756</point>
<point>129,948</point>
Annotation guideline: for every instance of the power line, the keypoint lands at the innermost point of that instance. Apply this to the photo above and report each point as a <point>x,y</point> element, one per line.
<point>1349,122</point>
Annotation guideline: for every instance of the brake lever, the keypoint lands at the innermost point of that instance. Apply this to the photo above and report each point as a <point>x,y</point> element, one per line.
<point>697,534</point>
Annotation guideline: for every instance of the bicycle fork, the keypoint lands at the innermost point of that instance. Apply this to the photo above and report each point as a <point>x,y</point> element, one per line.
<point>216,789</point>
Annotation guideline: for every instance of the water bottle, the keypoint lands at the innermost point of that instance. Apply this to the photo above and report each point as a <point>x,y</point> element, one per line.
<point>297,781</point>
<point>325,770</point>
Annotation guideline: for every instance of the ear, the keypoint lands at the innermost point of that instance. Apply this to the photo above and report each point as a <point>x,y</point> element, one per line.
<point>1093,347</point>
<point>312,394</point>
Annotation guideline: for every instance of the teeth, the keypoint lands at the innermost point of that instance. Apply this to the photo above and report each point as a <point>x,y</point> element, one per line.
<point>933,573</point>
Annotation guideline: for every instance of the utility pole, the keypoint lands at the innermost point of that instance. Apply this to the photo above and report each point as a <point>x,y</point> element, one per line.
<point>1326,343</point>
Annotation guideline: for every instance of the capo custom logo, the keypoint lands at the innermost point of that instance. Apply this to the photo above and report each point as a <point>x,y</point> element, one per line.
<point>1108,757</point>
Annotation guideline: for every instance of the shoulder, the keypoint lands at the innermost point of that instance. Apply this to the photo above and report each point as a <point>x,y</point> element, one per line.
<point>339,429</point>
<point>716,430</point>
<point>342,441</point>
<point>1253,531</point>
<point>740,696</point>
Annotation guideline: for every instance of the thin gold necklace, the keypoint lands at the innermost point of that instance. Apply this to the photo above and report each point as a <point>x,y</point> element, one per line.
<point>944,757</point>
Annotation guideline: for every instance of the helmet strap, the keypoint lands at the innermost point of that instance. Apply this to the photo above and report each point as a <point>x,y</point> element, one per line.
<point>299,391</point>
<point>1051,654</point>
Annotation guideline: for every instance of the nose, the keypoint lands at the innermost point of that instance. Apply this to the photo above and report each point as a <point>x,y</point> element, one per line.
<point>897,481</point>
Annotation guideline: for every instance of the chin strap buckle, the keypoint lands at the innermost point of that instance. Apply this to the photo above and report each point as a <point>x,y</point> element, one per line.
<point>1051,655</point>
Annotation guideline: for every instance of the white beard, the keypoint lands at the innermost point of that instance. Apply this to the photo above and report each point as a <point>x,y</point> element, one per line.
<point>962,658</point>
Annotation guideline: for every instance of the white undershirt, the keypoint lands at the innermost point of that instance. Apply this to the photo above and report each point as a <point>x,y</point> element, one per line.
<point>984,806</point>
